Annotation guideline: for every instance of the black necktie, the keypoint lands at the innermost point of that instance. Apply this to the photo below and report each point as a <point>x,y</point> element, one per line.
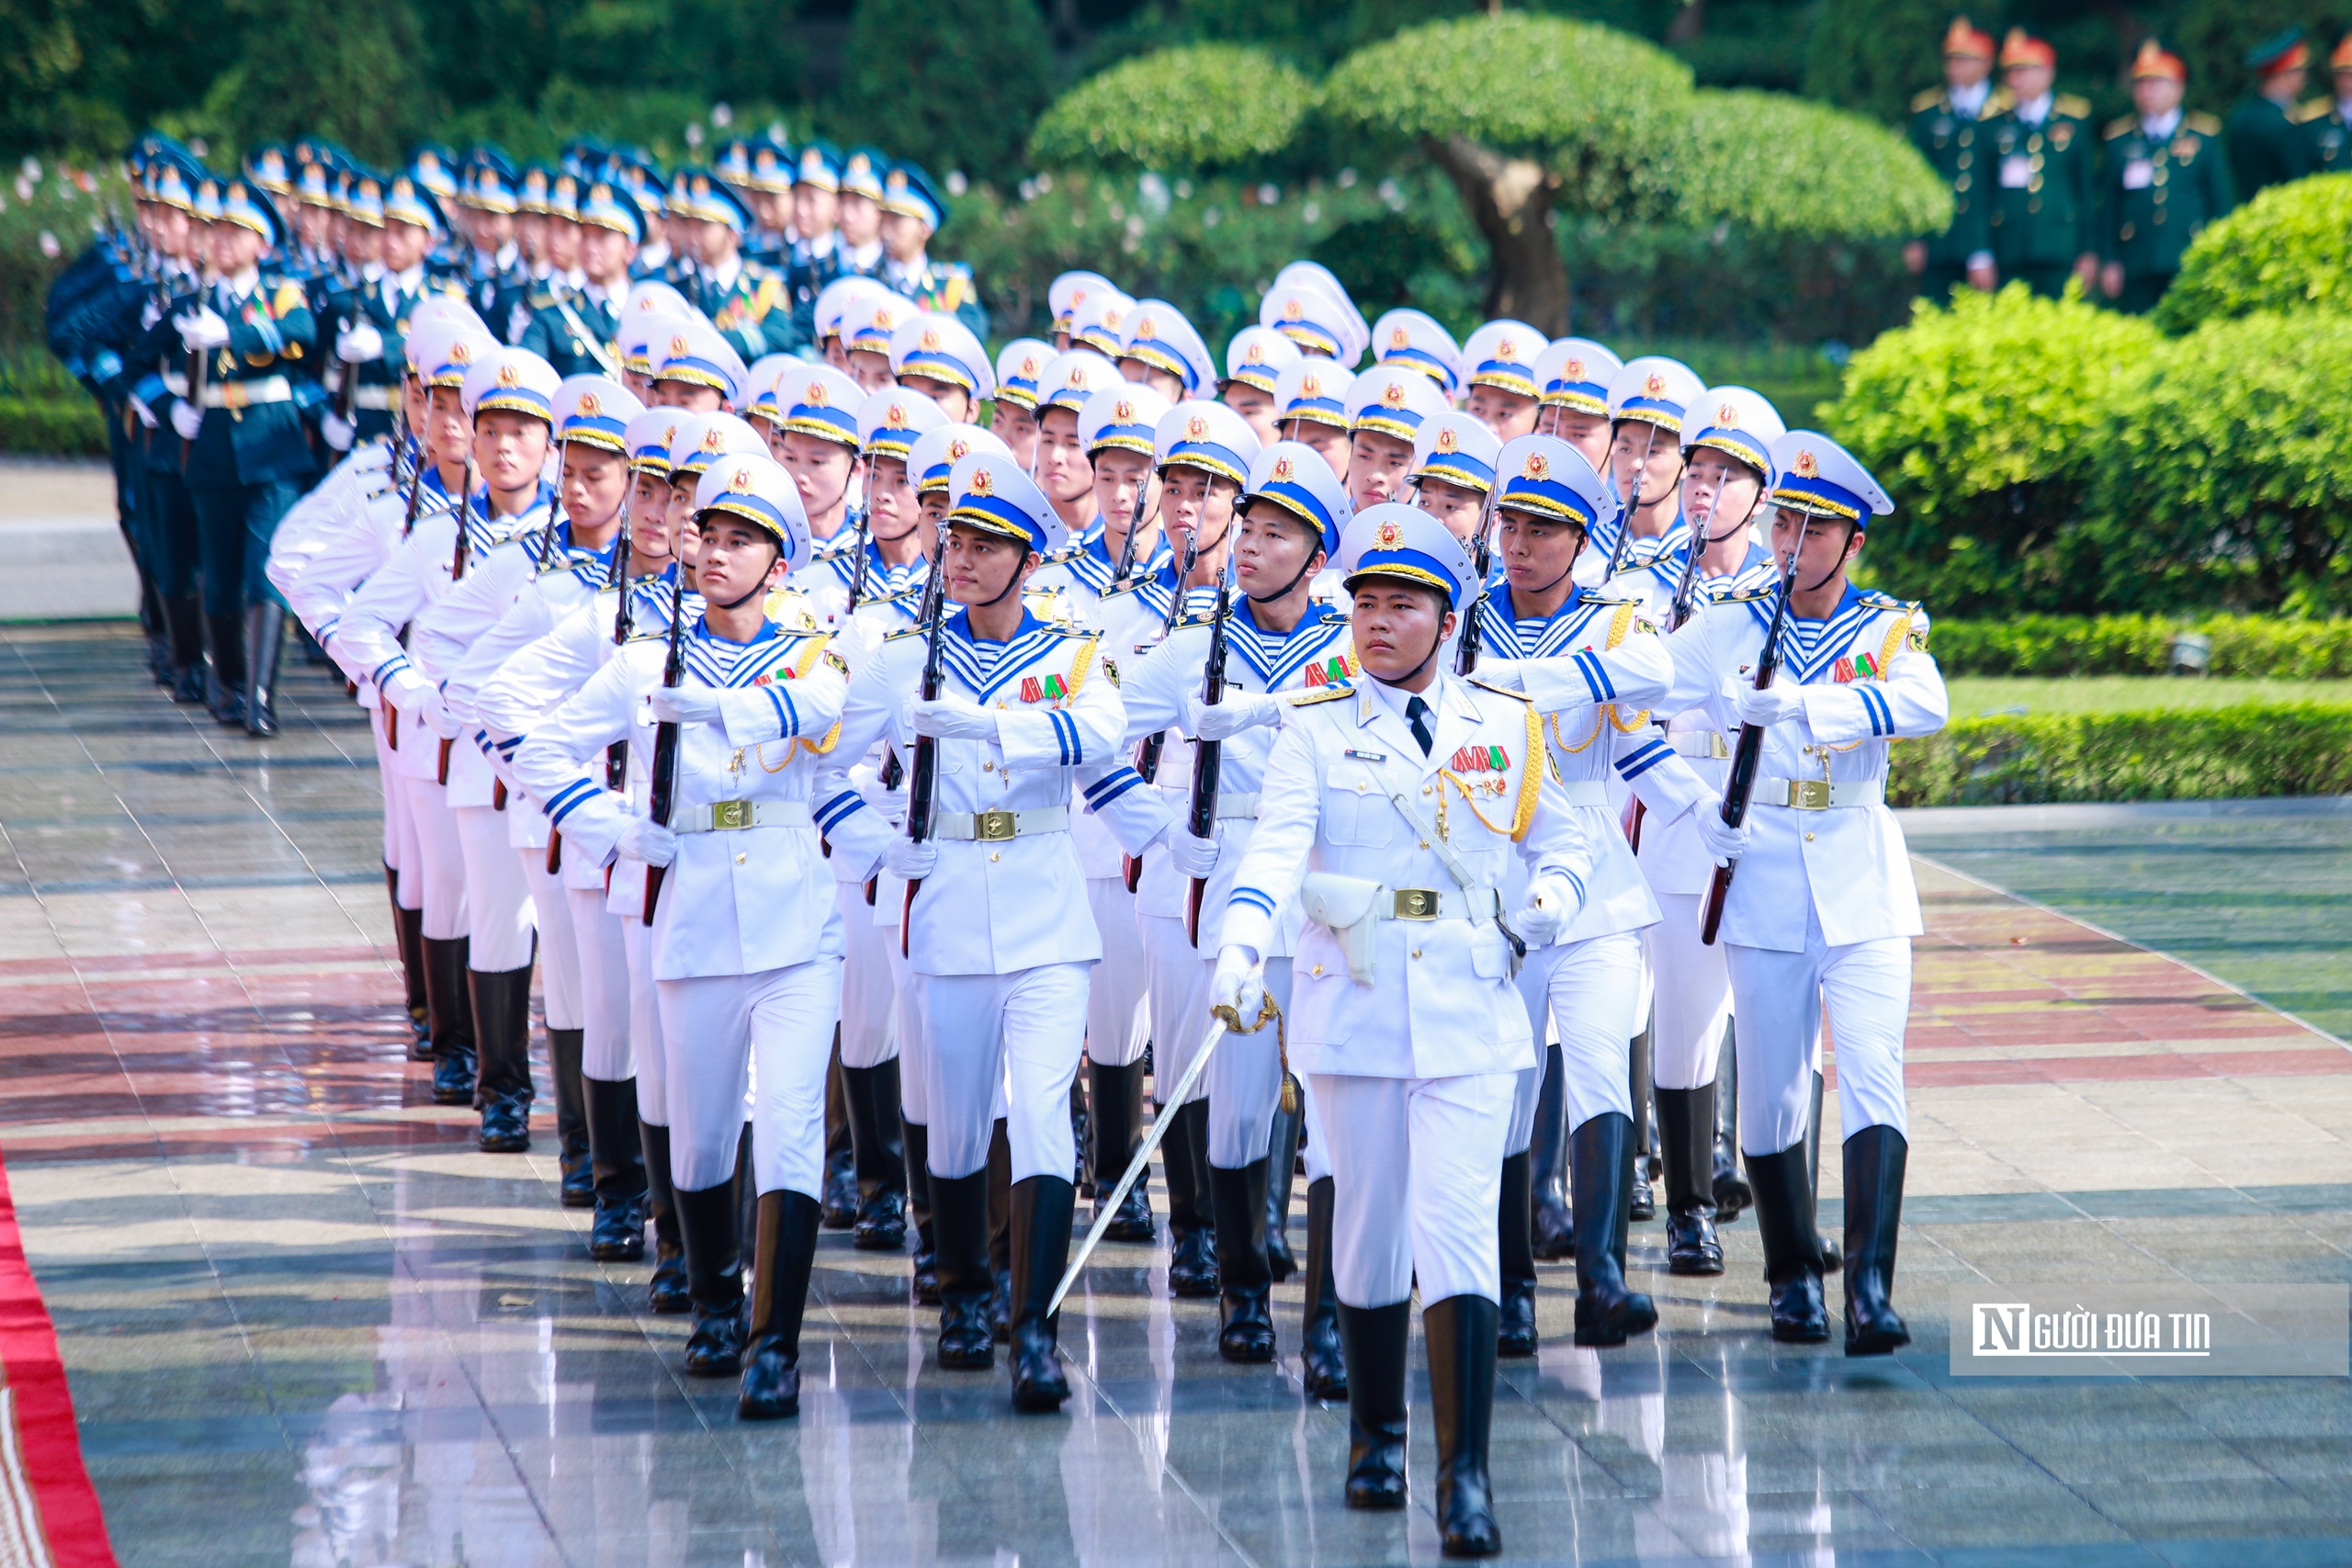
<point>1417,714</point>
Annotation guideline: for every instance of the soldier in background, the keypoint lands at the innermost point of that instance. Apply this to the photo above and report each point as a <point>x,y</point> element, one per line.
<point>2164,181</point>
<point>2326,123</point>
<point>2044,177</point>
<point>2265,148</point>
<point>1944,127</point>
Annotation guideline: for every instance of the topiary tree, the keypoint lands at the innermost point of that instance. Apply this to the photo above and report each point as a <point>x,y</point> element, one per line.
<point>1204,107</point>
<point>1980,419</point>
<point>1779,164</point>
<point>2288,249</point>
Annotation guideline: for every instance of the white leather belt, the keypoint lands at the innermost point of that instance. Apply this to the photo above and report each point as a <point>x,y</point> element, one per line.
<point>739,815</point>
<point>1699,743</point>
<point>1228,805</point>
<point>233,395</point>
<point>383,398</point>
<point>995,826</point>
<point>1439,904</point>
<point>1819,794</point>
<point>1586,792</point>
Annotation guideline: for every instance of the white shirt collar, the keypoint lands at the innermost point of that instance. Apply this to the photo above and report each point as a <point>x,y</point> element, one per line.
<point>2037,111</point>
<point>725,274</point>
<point>243,283</point>
<point>1968,101</point>
<point>2158,128</point>
<point>864,257</point>
<point>406,282</point>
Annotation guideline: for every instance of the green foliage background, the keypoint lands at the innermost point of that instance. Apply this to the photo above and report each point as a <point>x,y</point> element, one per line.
<point>2289,248</point>
<point>2142,645</point>
<point>2224,754</point>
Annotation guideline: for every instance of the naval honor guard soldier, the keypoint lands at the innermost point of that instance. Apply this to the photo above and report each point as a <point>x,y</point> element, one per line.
<point>1404,1012</point>
<point>2164,180</point>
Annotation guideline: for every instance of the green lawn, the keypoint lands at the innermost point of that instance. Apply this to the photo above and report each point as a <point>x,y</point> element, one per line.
<point>1973,695</point>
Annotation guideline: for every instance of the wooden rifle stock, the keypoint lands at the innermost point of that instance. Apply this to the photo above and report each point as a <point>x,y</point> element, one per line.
<point>660,797</point>
<point>923,778</point>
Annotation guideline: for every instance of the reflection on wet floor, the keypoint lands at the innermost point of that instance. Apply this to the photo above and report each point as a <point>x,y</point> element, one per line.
<point>307,1324</point>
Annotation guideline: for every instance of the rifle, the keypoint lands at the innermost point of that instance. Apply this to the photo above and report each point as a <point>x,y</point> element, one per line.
<point>458,571</point>
<point>1134,525</point>
<point>1147,750</point>
<point>616,754</point>
<point>1482,561</point>
<point>1678,615</point>
<point>347,392</point>
<point>1747,756</point>
<point>858,573</point>
<point>197,360</point>
<point>661,795</point>
<point>1208,756</point>
<point>1631,505</point>
<point>923,780</point>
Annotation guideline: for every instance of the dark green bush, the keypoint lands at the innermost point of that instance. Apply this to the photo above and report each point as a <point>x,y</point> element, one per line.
<point>2266,646</point>
<point>66,426</point>
<point>1207,107</point>
<point>2288,249</point>
<point>2258,749</point>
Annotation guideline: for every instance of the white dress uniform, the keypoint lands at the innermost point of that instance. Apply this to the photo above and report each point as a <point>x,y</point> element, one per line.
<point>1402,1007</point>
<point>1823,908</point>
<point>746,939</point>
<point>999,938</point>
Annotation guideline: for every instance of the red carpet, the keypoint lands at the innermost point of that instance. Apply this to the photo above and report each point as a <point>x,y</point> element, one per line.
<point>49,1511</point>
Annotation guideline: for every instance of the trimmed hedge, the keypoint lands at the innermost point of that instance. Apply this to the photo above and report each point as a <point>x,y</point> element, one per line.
<point>2142,645</point>
<point>2256,748</point>
<point>2288,249</point>
<point>67,426</point>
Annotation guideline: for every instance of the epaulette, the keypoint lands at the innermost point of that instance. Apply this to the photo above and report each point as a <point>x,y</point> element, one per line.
<point>1127,586</point>
<point>1739,596</point>
<point>1932,98</point>
<point>1320,695</point>
<point>2000,100</point>
<point>2203,124</point>
<point>2124,127</point>
<point>1199,618</point>
<point>660,635</point>
<point>2071,106</point>
<point>1486,685</point>
<point>1066,554</point>
<point>913,593</point>
<point>1071,629</point>
<point>902,632</point>
<point>542,299</point>
<point>1597,597</point>
<point>1878,601</point>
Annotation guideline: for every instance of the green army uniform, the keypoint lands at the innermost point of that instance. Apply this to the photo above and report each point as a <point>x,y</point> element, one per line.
<point>2327,139</point>
<point>2267,148</point>
<point>2154,198</point>
<point>573,331</point>
<point>2044,194</point>
<point>944,287</point>
<point>1957,149</point>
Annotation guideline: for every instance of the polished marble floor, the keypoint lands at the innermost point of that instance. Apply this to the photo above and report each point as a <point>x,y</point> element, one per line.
<point>306,1325</point>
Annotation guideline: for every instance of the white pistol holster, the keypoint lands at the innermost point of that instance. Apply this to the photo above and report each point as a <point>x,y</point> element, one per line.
<point>1348,907</point>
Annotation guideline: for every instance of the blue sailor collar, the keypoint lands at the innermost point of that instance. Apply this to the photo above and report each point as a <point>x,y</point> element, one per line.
<point>1507,635</point>
<point>715,661</point>
<point>1275,657</point>
<point>1811,649</point>
<point>985,666</point>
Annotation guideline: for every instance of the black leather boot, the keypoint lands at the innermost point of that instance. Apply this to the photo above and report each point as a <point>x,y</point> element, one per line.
<point>1548,1164</point>
<point>1514,1234</point>
<point>450,1008</point>
<point>1792,1258</point>
<point>408,927</point>
<point>1082,1137</point>
<point>1733,1195</point>
<point>1601,1156</point>
<point>1000,1231</point>
<point>667,1293</point>
<point>1192,1218</point>
<point>1460,1333</point>
<point>1376,1339</point>
<point>616,1170</point>
<point>1042,1209</point>
<point>502,1027</point>
<point>880,1156</point>
<point>783,1256</point>
<point>1118,1133</point>
<point>1686,1136</point>
<point>1282,1171</point>
<point>959,1208</point>
<point>573,1157</point>
<point>923,1286</point>
<point>1875,1157</point>
<point>841,1150</point>
<point>225,685</point>
<point>1237,1198</point>
<point>184,626</point>
<point>713,1223</point>
<point>1641,1203</point>
<point>1323,1366</point>
<point>1831,1259</point>
<point>265,639</point>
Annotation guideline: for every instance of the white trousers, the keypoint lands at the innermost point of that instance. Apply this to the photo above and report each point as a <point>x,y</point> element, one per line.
<point>400,833</point>
<point>869,1024</point>
<point>775,1028</point>
<point>1118,1010</point>
<point>1592,991</point>
<point>558,948</point>
<point>1417,1167</point>
<point>1780,997</point>
<point>647,1042</point>
<point>1179,987</point>
<point>605,1052</point>
<point>1693,996</point>
<point>1015,1035</point>
<point>440,860</point>
<point>497,898</point>
<point>1245,1080</point>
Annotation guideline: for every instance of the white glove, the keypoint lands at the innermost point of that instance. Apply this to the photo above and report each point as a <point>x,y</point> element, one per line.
<point>146,415</point>
<point>362,345</point>
<point>1238,712</point>
<point>1724,843</point>
<point>1240,982</point>
<point>1776,703</point>
<point>951,718</point>
<point>1551,904</point>
<point>1190,856</point>
<point>646,839</point>
<point>910,861</point>
<point>334,432</point>
<point>435,715</point>
<point>202,329</point>
<point>683,704</point>
<point>187,419</point>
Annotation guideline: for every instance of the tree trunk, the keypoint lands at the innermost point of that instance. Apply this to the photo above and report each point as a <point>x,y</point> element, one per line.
<point>1510,201</point>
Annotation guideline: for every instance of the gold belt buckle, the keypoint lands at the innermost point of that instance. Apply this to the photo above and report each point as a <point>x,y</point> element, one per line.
<point>232,395</point>
<point>1809,795</point>
<point>993,827</point>
<point>726,816</point>
<point>1416,904</point>
<point>1718,749</point>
